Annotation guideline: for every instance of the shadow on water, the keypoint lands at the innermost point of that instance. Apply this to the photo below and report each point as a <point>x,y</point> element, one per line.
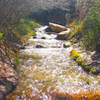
<point>53,15</point>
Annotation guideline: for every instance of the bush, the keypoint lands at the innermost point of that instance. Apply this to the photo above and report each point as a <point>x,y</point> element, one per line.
<point>76,27</point>
<point>15,34</point>
<point>1,34</point>
<point>91,27</point>
<point>26,26</point>
<point>87,29</point>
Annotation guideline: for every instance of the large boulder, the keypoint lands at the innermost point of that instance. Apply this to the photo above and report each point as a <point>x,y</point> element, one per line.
<point>63,35</point>
<point>64,32</point>
<point>57,27</point>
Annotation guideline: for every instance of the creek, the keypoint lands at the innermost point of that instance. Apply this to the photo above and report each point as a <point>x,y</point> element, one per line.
<point>47,72</point>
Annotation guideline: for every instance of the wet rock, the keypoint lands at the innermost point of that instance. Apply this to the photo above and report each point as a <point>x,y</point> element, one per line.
<point>39,46</point>
<point>43,38</point>
<point>98,70</point>
<point>66,45</point>
<point>22,47</point>
<point>63,33</point>
<point>34,37</point>
<point>48,29</point>
<point>61,37</point>
<point>51,33</point>
<point>57,27</point>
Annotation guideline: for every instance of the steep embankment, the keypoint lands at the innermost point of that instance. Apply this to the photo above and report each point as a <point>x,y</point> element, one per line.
<point>85,29</point>
<point>9,48</point>
<point>85,26</point>
<point>8,79</point>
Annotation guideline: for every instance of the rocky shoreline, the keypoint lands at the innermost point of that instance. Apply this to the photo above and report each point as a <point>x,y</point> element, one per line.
<point>85,59</point>
<point>8,79</point>
<point>90,58</point>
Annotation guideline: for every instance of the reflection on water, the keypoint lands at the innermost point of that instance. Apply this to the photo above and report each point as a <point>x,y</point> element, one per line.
<point>49,73</point>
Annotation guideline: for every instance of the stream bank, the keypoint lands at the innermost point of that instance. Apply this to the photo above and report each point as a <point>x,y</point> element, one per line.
<point>8,79</point>
<point>47,72</point>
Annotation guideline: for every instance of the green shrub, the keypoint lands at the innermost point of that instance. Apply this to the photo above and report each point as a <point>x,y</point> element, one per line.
<point>16,60</point>
<point>87,30</point>
<point>26,26</point>
<point>17,32</point>
<point>76,27</point>
<point>1,34</point>
<point>89,40</point>
<point>93,70</point>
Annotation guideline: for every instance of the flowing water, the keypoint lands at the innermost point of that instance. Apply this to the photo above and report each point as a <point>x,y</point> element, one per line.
<point>47,72</point>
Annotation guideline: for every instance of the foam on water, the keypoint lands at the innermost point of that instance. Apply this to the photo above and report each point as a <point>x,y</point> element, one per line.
<point>54,70</point>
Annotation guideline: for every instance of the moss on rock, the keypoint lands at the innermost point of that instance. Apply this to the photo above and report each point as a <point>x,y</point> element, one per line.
<point>75,55</point>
